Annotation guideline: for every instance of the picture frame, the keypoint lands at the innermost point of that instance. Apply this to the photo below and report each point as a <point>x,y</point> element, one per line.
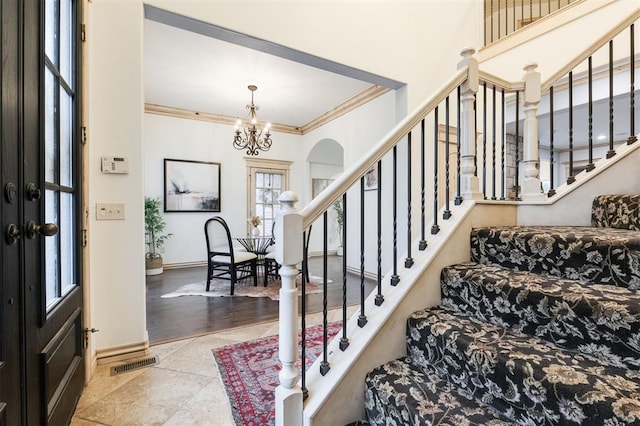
<point>371,179</point>
<point>318,185</point>
<point>191,186</point>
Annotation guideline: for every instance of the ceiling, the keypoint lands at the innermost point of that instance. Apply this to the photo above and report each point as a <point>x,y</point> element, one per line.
<point>199,67</point>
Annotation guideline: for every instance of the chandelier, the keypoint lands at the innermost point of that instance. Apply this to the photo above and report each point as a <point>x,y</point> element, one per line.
<point>247,135</point>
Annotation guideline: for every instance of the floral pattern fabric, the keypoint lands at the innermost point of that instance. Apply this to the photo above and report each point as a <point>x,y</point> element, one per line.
<point>600,320</point>
<point>529,380</point>
<point>616,211</point>
<point>400,393</point>
<point>595,255</point>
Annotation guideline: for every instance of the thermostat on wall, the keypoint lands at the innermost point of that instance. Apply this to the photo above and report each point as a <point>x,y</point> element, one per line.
<point>114,164</point>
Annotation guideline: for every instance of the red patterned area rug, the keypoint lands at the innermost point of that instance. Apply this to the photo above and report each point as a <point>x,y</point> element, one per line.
<point>249,371</point>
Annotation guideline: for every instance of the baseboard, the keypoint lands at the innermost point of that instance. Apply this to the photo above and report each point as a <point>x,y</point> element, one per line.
<point>122,353</point>
<point>184,265</point>
<point>321,253</point>
<point>368,275</point>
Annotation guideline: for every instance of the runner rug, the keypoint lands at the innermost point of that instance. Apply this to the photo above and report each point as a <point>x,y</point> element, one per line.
<point>249,372</point>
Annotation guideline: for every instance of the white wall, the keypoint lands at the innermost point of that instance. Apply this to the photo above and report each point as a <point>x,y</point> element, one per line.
<point>184,139</point>
<point>113,68</point>
<point>398,40</point>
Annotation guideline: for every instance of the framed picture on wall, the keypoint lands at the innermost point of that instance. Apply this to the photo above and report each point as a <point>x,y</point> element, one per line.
<point>191,186</point>
<point>371,179</point>
<point>318,185</point>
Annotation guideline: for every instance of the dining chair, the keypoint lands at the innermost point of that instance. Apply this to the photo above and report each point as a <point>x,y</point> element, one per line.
<point>223,260</point>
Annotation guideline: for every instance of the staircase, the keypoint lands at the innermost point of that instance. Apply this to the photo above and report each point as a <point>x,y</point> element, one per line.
<point>541,327</point>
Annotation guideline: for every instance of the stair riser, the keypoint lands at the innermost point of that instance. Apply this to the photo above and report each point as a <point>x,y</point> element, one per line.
<point>592,255</point>
<point>526,378</point>
<point>598,320</point>
<point>400,393</point>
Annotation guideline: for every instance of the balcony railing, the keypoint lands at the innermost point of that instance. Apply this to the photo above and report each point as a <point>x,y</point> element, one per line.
<point>503,17</point>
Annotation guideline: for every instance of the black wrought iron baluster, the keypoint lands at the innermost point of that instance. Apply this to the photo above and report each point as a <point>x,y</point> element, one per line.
<point>514,15</point>
<point>408,261</point>
<point>379,297</point>
<point>458,200</point>
<point>446,214</point>
<point>611,151</point>
<point>590,165</point>
<point>324,364</point>
<point>503,143</point>
<point>423,242</point>
<point>498,20</point>
<point>344,340</point>
<point>303,328</point>
<point>484,140</point>
<point>530,11</point>
<point>551,191</point>
<point>395,278</point>
<point>493,145</point>
<point>517,176</point>
<point>539,10</point>
<point>491,26</point>
<point>571,178</point>
<point>362,318</point>
<point>506,18</point>
<point>435,228</point>
<point>475,139</point>
<point>632,90</point>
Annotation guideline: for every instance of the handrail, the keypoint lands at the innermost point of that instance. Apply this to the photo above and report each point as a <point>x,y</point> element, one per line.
<point>350,176</point>
<point>623,25</point>
<point>499,82</point>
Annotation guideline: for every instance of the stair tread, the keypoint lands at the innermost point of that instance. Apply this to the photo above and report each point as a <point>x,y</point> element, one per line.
<point>530,380</point>
<point>590,254</point>
<point>408,394</point>
<point>600,320</point>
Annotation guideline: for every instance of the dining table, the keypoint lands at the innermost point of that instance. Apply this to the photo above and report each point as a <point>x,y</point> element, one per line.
<point>259,245</point>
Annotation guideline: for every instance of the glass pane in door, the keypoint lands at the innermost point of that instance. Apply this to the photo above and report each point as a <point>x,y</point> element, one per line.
<point>59,153</point>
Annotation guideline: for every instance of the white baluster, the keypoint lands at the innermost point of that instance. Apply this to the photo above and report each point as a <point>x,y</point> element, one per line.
<point>469,183</point>
<point>288,235</point>
<point>531,188</point>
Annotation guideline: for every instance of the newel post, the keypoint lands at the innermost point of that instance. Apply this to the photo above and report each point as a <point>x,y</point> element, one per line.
<point>469,183</point>
<point>288,236</point>
<point>531,188</point>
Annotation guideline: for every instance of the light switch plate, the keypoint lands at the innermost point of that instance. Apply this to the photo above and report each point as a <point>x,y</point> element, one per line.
<point>109,211</point>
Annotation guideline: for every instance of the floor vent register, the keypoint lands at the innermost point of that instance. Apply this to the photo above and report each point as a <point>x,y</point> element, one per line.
<point>134,365</point>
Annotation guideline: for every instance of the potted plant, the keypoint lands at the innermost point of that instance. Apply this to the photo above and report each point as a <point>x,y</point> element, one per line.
<point>337,206</point>
<point>154,235</point>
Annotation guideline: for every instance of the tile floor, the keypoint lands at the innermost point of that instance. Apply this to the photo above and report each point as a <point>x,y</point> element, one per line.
<point>184,388</point>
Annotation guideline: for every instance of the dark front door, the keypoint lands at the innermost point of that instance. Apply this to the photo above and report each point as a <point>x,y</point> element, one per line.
<point>41,333</point>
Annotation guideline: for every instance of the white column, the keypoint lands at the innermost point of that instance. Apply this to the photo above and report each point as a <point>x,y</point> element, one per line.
<point>469,183</point>
<point>288,235</point>
<point>531,188</point>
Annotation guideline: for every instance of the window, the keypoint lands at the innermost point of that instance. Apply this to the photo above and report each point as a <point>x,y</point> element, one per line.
<point>60,128</point>
<point>267,179</point>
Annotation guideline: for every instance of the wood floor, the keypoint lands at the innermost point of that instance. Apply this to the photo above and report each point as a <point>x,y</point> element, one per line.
<point>188,316</point>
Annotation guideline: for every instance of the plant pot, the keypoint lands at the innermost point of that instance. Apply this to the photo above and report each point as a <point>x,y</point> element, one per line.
<point>154,266</point>
<point>339,251</point>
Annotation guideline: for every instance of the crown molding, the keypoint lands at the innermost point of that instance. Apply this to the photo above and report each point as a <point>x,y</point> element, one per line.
<point>348,106</point>
<point>207,116</point>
